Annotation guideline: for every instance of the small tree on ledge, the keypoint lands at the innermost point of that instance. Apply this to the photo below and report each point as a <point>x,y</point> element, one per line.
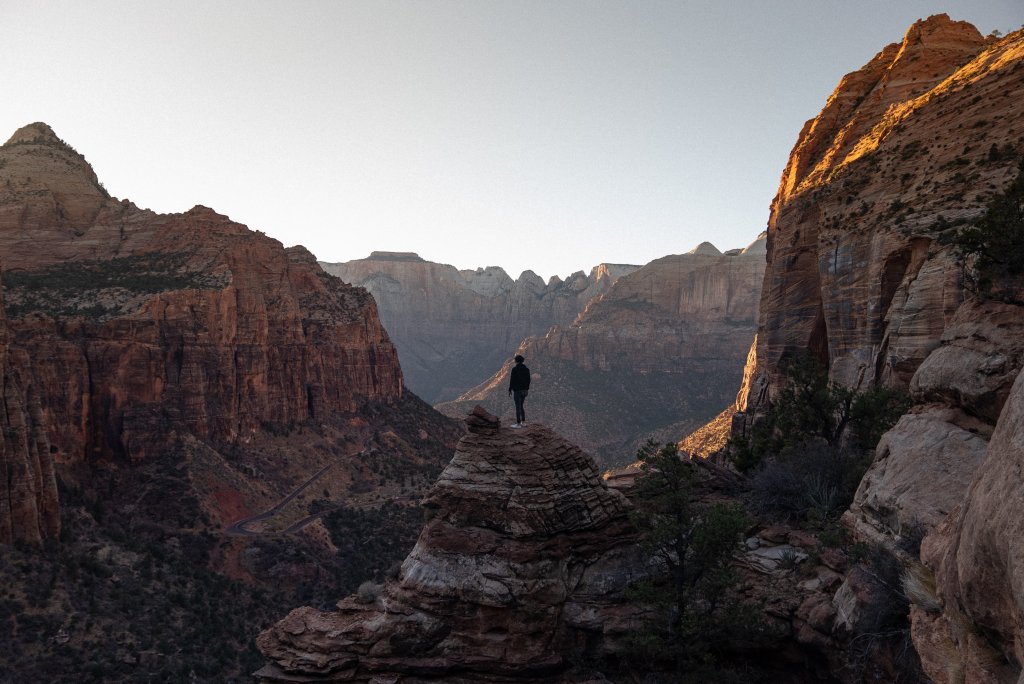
<point>693,614</point>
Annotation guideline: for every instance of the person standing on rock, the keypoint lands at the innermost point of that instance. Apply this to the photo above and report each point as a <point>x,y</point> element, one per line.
<point>519,387</point>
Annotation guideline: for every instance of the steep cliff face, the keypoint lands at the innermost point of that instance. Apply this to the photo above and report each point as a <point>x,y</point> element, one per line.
<point>451,327</point>
<point>519,573</point>
<point>141,323</point>
<point>863,273</point>
<point>657,355</point>
<point>214,406</point>
<point>859,272</point>
<point>29,509</point>
<point>973,632</point>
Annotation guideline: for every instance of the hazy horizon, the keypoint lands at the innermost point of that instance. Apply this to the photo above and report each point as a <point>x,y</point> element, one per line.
<point>532,136</point>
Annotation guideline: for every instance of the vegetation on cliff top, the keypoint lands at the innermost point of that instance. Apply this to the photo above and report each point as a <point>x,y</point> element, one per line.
<point>101,287</point>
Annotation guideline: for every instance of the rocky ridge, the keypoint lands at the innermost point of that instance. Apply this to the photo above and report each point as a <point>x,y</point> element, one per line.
<point>861,272</point>
<point>519,571</point>
<point>452,327</point>
<point>657,355</point>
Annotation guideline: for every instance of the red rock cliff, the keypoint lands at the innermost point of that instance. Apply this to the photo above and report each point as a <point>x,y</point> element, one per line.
<point>141,323</point>
<point>28,488</point>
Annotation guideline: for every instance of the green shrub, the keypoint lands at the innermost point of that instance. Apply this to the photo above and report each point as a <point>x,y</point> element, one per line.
<point>809,408</point>
<point>814,483</point>
<point>694,616</point>
<point>997,238</point>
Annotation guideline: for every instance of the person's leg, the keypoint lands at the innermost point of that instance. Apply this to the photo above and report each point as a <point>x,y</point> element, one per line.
<point>518,396</point>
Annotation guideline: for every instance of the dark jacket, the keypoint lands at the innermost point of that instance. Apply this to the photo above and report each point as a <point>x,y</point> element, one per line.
<point>519,379</point>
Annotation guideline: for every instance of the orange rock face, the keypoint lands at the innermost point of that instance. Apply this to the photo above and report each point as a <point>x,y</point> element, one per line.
<point>140,324</point>
<point>859,270</point>
<point>863,274</point>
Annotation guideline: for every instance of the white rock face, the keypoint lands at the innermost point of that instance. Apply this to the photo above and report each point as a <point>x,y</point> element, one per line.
<point>921,472</point>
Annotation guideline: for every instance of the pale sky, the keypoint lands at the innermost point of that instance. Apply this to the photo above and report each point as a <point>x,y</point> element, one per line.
<point>549,136</point>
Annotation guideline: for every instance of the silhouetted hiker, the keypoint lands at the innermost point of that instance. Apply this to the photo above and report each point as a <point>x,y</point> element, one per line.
<point>519,387</point>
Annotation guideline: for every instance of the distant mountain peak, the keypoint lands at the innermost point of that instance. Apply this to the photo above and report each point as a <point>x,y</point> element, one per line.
<point>395,256</point>
<point>34,132</point>
<point>705,249</point>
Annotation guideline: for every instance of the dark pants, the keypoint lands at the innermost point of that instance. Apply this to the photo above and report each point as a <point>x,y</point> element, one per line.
<point>519,396</point>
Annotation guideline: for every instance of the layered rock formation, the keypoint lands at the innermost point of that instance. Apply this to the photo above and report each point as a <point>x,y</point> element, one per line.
<point>860,269</point>
<point>188,339</point>
<point>29,509</point>
<point>656,356</point>
<point>864,274</point>
<point>519,572</point>
<point>453,328</point>
<point>973,631</point>
<point>143,323</point>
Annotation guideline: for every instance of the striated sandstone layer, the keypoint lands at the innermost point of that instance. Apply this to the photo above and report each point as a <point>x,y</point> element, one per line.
<point>141,323</point>
<point>863,274</point>
<point>658,355</point>
<point>518,574</point>
<point>451,327</point>
<point>188,374</point>
<point>29,509</point>
<point>860,270</point>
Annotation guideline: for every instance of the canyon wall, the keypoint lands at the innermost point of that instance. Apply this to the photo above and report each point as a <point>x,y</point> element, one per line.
<point>658,355</point>
<point>861,272</point>
<point>29,509</point>
<point>186,338</point>
<point>452,328</point>
<point>865,274</point>
<point>142,323</point>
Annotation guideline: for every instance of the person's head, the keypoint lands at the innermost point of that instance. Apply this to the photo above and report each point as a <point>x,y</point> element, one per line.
<point>518,358</point>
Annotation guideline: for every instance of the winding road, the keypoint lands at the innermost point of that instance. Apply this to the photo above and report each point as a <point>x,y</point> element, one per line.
<point>240,528</point>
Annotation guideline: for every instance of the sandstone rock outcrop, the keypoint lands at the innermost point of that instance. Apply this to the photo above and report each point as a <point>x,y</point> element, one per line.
<point>977,556</point>
<point>659,354</point>
<point>453,328</point>
<point>520,570</point>
<point>29,510</point>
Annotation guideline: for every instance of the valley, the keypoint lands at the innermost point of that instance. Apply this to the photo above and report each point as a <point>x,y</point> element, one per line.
<point>227,460</point>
